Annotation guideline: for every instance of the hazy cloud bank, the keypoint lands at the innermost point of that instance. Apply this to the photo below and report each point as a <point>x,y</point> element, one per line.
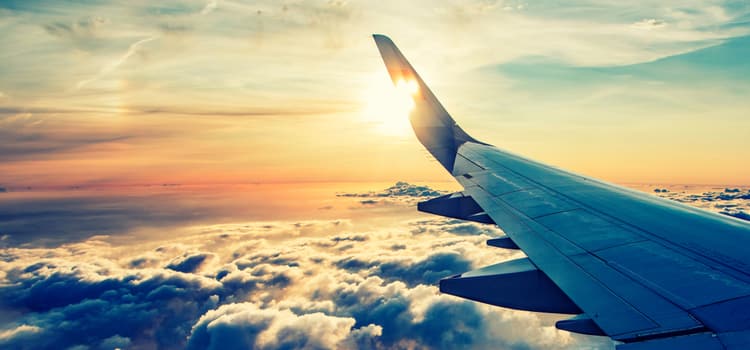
<point>729,201</point>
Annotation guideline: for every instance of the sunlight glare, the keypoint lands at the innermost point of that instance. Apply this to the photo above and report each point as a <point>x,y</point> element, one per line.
<point>387,107</point>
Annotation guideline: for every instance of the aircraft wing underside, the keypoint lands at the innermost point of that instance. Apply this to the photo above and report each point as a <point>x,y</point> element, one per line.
<point>647,272</point>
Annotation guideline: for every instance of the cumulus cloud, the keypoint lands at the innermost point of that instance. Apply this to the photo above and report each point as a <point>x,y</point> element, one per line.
<point>245,325</point>
<point>728,201</point>
<point>400,193</point>
<point>426,271</point>
<point>189,262</point>
<point>262,285</point>
<point>284,284</point>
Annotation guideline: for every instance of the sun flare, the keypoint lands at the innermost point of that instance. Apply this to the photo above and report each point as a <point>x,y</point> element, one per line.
<point>387,106</point>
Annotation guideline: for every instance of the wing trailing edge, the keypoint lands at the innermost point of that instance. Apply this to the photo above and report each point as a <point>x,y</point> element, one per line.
<point>515,284</point>
<point>456,205</point>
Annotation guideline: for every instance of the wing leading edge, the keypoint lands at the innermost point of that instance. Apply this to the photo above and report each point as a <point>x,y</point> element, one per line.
<point>647,272</point>
<point>432,124</point>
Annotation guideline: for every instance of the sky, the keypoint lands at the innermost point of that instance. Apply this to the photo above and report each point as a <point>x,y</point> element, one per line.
<point>220,174</point>
<point>214,92</point>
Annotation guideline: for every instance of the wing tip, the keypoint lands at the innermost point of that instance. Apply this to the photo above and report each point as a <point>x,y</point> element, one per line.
<point>381,37</point>
<point>384,43</point>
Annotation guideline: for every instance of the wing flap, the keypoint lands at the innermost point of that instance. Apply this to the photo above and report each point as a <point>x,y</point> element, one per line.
<point>515,284</point>
<point>701,341</point>
<point>455,205</point>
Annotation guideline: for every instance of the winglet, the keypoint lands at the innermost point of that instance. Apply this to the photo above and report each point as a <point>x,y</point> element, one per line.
<point>432,124</point>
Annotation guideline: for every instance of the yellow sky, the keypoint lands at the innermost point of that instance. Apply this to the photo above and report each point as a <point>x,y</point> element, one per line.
<point>249,93</point>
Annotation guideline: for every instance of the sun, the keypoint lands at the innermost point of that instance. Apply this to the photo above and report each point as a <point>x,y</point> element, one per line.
<point>387,107</point>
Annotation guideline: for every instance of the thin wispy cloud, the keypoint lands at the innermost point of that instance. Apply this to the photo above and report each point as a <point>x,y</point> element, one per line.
<point>108,68</point>
<point>210,7</point>
<point>648,24</point>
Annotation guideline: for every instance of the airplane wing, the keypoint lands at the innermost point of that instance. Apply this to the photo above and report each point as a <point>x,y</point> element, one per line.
<point>647,272</point>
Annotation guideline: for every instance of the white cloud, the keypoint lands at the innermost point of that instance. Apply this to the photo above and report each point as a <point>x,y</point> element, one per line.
<point>648,24</point>
<point>268,287</point>
<point>210,7</point>
<point>729,201</point>
<point>266,284</point>
<point>23,330</point>
<point>272,328</point>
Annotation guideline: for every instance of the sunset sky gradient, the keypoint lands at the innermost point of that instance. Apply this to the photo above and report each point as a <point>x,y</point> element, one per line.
<point>112,93</point>
<point>220,174</point>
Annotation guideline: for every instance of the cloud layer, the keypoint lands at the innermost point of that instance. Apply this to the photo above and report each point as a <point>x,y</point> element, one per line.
<point>268,285</point>
<point>366,281</point>
<point>729,201</point>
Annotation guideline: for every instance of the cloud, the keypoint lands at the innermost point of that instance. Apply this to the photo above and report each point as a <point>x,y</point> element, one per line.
<point>737,214</point>
<point>649,24</point>
<point>83,306</point>
<point>733,202</point>
<point>727,195</point>
<point>210,7</point>
<point>283,284</point>
<point>83,29</point>
<point>189,263</point>
<point>115,342</point>
<point>400,189</point>
<point>427,271</point>
<point>245,325</point>
<point>459,227</point>
<point>353,238</point>
<point>260,285</point>
<point>50,218</point>
<point>28,136</point>
<point>79,215</point>
<point>106,69</point>
<point>14,334</point>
